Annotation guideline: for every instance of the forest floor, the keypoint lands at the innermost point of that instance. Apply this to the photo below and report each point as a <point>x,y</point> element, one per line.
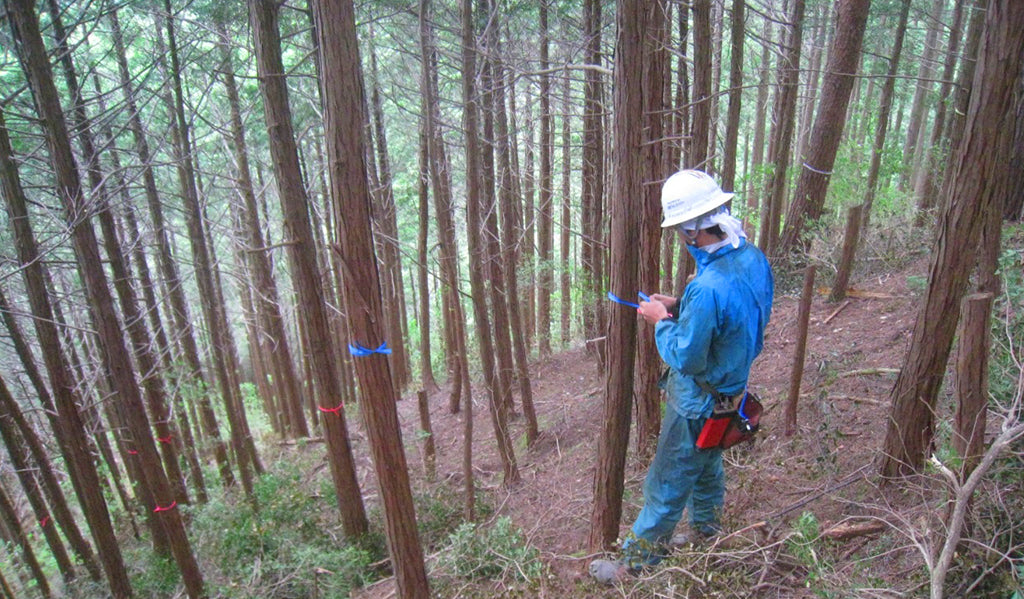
<point>782,490</point>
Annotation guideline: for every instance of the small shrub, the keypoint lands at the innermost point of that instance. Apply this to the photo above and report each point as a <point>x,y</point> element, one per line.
<point>500,551</point>
<point>284,546</point>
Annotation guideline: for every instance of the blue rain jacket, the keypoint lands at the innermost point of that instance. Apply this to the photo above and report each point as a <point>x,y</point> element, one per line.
<point>720,328</point>
<point>716,337</point>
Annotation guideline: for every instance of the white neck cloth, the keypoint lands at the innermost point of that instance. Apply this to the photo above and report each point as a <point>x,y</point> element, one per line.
<point>731,226</point>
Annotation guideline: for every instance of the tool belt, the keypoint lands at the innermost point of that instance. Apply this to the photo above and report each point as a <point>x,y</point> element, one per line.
<point>733,420</point>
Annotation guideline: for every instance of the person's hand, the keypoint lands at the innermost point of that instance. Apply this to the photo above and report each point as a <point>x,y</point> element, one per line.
<point>653,311</point>
<point>669,301</point>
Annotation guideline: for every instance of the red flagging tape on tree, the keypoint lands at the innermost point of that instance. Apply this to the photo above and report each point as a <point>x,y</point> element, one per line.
<point>164,509</point>
<point>44,521</point>
<point>166,439</point>
<point>336,410</point>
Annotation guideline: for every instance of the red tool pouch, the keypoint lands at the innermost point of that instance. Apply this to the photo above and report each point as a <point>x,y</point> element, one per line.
<point>730,426</point>
<point>714,429</point>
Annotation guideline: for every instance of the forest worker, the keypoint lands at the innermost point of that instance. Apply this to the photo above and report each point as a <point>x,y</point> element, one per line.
<point>708,339</point>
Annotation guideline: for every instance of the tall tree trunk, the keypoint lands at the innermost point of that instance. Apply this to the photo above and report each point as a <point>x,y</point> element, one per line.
<point>26,475</point>
<point>478,249</point>
<point>919,108</point>
<point>816,171</point>
<point>633,20</point>
<point>509,237</point>
<point>566,220</point>
<point>732,125</point>
<point>649,364</point>
<point>84,476</point>
<point>528,258</point>
<point>58,503</point>
<point>700,130</point>
<point>783,117</point>
<point>884,111</point>
<point>964,81</point>
<point>116,359</point>
<point>13,525</point>
<point>169,270</point>
<point>152,380</point>
<point>756,171</point>
<point>493,266</point>
<point>978,184</point>
<point>343,94</point>
<point>386,220</point>
<point>592,173</point>
<point>926,177</point>
<point>302,259</point>
<point>545,266</point>
<point>683,118</point>
<point>427,380</point>
<point>266,301</point>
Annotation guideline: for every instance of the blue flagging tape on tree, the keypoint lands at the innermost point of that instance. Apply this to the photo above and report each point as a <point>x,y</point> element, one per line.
<point>359,351</point>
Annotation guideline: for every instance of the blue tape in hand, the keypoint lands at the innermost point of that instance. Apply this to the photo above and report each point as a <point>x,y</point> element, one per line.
<point>616,298</point>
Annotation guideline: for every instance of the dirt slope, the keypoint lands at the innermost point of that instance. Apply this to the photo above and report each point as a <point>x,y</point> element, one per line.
<point>842,414</point>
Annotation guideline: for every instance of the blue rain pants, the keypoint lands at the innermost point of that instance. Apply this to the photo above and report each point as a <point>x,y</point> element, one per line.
<point>681,476</point>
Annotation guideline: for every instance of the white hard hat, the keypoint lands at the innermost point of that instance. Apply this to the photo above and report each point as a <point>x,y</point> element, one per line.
<point>689,194</point>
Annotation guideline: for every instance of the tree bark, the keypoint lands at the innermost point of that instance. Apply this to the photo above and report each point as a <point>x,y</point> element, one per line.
<point>222,343</point>
<point>972,380</point>
<point>385,218</point>
<point>700,129</point>
<point>851,237</point>
<point>884,111</point>
<point>633,20</point>
<point>493,267</point>
<point>427,380</point>
<point>564,238</point>
<point>52,488</point>
<point>169,271</point>
<point>978,184</point>
<point>302,259</point>
<point>478,251</point>
<point>13,522</point>
<point>649,364</point>
<point>800,350</point>
<point>732,125</point>
<point>509,239</point>
<point>440,176</point>
<point>84,476</point>
<point>757,158</point>
<point>592,175</point>
<point>816,169</point>
<point>26,475</point>
<point>545,267</point>
<point>343,93</point>
<point>962,89</point>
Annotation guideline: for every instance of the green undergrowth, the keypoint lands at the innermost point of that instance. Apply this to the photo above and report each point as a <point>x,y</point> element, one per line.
<point>495,555</point>
<point>293,545</point>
